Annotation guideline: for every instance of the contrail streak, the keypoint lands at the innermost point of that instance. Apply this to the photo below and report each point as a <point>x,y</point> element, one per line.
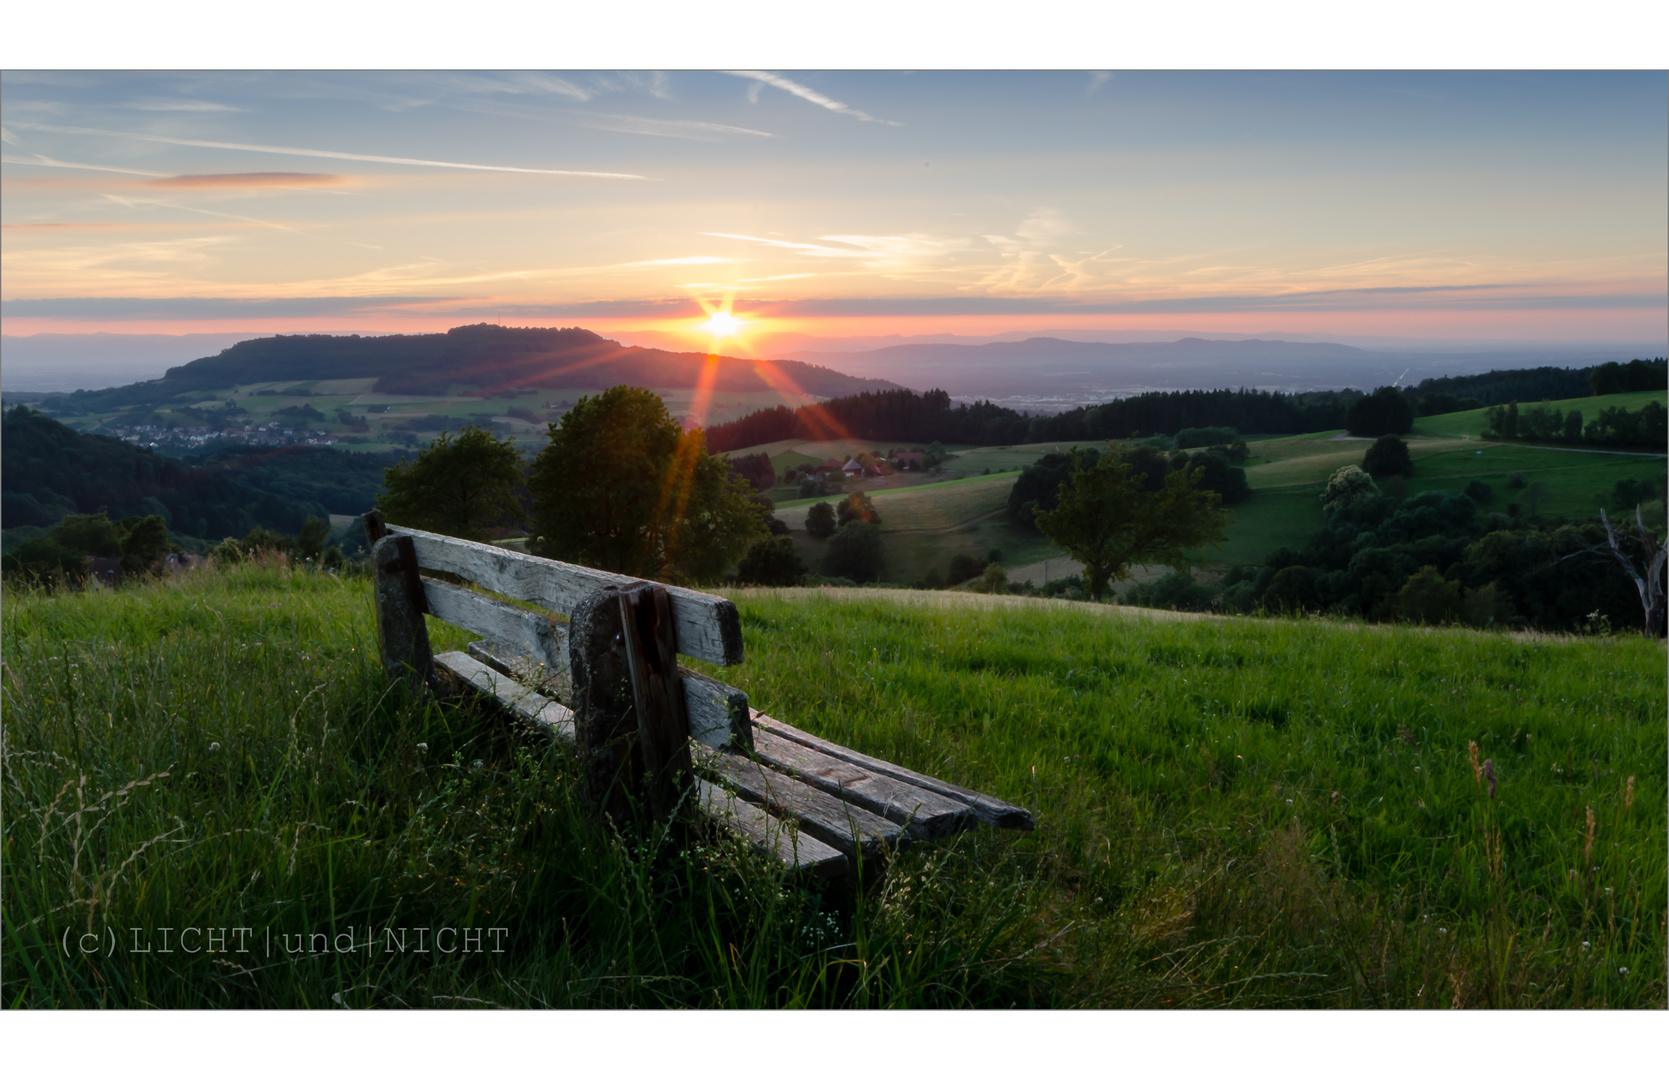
<point>334,154</point>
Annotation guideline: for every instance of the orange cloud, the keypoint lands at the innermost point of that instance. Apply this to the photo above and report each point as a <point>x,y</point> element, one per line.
<point>249,180</point>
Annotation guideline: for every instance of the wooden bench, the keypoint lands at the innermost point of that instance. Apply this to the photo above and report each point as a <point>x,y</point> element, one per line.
<point>650,733</point>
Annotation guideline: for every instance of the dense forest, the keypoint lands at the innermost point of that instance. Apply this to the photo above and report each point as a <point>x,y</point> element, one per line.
<point>51,471</point>
<point>908,416</point>
<point>483,359</point>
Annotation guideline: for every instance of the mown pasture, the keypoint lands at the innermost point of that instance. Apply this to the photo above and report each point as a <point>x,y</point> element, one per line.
<point>1233,812</point>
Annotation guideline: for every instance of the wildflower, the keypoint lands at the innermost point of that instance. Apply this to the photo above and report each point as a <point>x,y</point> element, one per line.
<point>1477,770</point>
<point>1489,774</point>
<point>1622,971</point>
<point>422,747</point>
<point>1628,794</point>
<point>478,763</point>
<point>214,746</point>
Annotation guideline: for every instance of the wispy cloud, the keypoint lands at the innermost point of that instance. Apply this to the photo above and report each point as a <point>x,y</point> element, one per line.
<point>820,250</point>
<point>695,130</point>
<point>338,155</point>
<point>180,106</point>
<point>1096,80</point>
<point>52,163</point>
<point>142,204</point>
<point>808,94</point>
<point>249,180</point>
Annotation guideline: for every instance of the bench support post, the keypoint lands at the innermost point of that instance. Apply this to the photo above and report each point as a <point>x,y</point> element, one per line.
<point>402,638</point>
<point>629,723</point>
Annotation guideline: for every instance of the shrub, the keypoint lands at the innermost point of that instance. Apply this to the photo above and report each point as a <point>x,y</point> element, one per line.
<point>1427,598</point>
<point>1347,487</point>
<point>1388,456</point>
<point>772,562</point>
<point>820,521</point>
<point>855,552</point>
<point>1478,491</point>
<point>1291,590</point>
<point>1177,591</point>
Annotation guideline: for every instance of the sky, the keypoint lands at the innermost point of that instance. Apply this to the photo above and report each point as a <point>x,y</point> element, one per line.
<point>1501,205</point>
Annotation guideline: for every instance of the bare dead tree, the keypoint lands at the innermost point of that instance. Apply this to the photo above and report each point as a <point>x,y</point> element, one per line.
<point>1642,556</point>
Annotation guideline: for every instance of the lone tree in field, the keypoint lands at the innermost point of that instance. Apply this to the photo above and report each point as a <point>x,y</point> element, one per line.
<point>820,521</point>
<point>1109,523</point>
<point>1388,456</point>
<point>622,488</point>
<point>460,487</point>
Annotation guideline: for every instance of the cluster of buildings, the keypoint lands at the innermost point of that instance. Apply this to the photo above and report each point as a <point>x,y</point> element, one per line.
<point>197,438</point>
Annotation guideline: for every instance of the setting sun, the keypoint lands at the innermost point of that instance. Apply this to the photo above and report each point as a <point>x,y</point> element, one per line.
<point>724,324</point>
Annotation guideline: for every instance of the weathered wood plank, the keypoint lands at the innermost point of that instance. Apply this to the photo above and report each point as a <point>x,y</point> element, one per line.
<point>843,826</point>
<point>527,632</point>
<point>990,810</point>
<point>534,708</point>
<point>926,815</point>
<point>402,637</point>
<point>708,627</point>
<point>605,727</point>
<point>663,731</point>
<point>769,836</point>
<point>508,660</point>
<point>719,715</point>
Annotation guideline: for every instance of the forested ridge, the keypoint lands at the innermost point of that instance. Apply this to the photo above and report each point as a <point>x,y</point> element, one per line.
<point>52,470</point>
<point>483,359</point>
<point>907,415</point>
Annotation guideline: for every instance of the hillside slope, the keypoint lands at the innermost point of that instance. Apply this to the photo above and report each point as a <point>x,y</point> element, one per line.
<point>484,358</point>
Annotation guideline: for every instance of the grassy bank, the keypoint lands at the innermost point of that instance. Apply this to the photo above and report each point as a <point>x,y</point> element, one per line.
<point>1237,812</point>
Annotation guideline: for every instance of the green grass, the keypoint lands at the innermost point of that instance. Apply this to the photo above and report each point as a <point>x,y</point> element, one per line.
<point>938,505</point>
<point>1232,813</point>
<point>1473,422</point>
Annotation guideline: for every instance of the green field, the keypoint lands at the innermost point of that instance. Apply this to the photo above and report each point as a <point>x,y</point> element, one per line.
<point>1472,423</point>
<point>1232,812</point>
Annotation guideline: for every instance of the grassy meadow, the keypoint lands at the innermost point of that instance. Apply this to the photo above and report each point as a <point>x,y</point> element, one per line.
<point>1232,813</point>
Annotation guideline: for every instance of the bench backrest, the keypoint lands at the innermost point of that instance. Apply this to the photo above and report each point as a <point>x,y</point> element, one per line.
<point>708,627</point>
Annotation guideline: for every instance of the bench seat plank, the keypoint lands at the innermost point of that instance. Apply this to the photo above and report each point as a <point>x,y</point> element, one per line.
<point>768,835</point>
<point>708,627</point>
<point>991,811</point>
<point>799,852</point>
<point>846,828</point>
<point>924,814</point>
<point>535,708</point>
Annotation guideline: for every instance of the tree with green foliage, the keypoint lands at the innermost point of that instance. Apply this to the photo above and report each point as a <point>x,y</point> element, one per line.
<point>461,487</point>
<point>622,487</point>
<point>1109,523</point>
<point>772,562</point>
<point>820,521</point>
<point>1386,411</point>
<point>1346,487</point>
<point>857,507</point>
<point>855,552</point>
<point>1388,456</point>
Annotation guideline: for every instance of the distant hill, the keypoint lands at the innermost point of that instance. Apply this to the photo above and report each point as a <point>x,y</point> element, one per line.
<point>1046,365</point>
<point>482,359</point>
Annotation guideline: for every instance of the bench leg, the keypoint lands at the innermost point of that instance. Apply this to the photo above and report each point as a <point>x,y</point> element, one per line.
<point>402,637</point>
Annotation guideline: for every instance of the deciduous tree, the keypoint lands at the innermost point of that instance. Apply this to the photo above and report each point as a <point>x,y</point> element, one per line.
<point>461,487</point>
<point>1109,523</point>
<point>620,487</point>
